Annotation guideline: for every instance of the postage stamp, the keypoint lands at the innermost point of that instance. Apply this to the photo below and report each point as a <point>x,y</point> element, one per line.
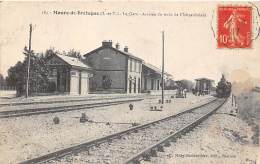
<point>234,26</point>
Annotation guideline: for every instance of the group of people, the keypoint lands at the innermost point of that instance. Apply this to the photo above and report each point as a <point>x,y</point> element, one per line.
<point>197,92</point>
<point>181,93</point>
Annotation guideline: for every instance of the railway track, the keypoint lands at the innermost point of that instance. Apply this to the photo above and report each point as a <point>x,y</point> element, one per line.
<point>53,101</point>
<point>62,108</point>
<point>135,144</point>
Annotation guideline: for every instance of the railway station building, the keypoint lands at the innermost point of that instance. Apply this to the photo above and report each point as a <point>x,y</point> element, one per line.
<point>119,71</point>
<point>68,75</point>
<point>115,70</point>
<point>106,69</point>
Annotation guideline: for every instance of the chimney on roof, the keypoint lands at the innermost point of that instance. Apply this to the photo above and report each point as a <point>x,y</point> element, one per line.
<point>107,43</point>
<point>117,46</point>
<point>126,49</point>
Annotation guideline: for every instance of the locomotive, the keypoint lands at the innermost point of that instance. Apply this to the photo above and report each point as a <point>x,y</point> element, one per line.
<point>223,89</point>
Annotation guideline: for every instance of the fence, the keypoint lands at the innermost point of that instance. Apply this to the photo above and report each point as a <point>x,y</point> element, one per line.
<point>7,88</point>
<point>7,91</point>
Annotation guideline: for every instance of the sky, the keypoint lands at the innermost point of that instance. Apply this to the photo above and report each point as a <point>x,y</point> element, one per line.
<point>190,46</point>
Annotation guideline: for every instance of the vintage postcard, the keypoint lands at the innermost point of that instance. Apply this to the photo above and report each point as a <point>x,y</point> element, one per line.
<point>129,82</point>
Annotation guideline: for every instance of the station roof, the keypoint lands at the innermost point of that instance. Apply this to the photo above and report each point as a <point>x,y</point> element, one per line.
<point>157,70</point>
<point>74,62</point>
<point>117,50</point>
<point>108,44</point>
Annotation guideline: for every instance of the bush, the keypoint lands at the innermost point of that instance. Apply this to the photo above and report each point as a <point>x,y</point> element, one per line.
<point>131,107</point>
<point>56,120</point>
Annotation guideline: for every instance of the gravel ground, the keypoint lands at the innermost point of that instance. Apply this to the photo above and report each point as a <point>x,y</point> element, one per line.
<point>27,137</point>
<point>221,139</point>
<point>122,149</point>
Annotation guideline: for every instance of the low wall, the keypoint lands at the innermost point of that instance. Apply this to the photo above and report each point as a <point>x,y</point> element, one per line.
<point>7,94</point>
<point>159,92</point>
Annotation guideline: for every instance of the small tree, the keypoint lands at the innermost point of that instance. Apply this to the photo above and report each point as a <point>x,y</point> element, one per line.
<point>185,84</point>
<point>73,53</point>
<point>38,74</point>
<point>50,52</point>
<point>38,80</point>
<point>16,77</point>
<point>2,80</point>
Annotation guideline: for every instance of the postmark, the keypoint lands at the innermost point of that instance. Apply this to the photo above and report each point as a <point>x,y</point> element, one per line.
<point>234,27</point>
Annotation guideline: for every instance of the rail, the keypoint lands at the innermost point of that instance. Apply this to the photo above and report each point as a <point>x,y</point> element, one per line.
<point>45,110</point>
<point>148,151</point>
<point>101,140</point>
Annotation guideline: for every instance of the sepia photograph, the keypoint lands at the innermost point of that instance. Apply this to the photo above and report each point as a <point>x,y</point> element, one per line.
<point>135,82</point>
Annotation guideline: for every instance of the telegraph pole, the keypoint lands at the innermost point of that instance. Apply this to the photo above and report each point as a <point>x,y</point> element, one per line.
<point>28,65</point>
<point>162,67</point>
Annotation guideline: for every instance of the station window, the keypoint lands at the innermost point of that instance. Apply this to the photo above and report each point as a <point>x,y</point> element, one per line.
<point>135,66</point>
<point>139,68</point>
<point>135,85</point>
<point>130,65</point>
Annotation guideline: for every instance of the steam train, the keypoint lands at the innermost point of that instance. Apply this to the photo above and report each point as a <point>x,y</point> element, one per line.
<point>223,88</point>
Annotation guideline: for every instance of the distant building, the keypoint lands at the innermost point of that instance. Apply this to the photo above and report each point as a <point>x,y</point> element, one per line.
<point>203,85</point>
<point>68,75</point>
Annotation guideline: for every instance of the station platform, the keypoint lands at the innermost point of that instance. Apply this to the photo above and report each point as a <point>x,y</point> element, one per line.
<point>61,98</point>
<point>12,100</point>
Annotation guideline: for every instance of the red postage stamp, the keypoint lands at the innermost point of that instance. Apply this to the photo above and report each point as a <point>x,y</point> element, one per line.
<point>234,27</point>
